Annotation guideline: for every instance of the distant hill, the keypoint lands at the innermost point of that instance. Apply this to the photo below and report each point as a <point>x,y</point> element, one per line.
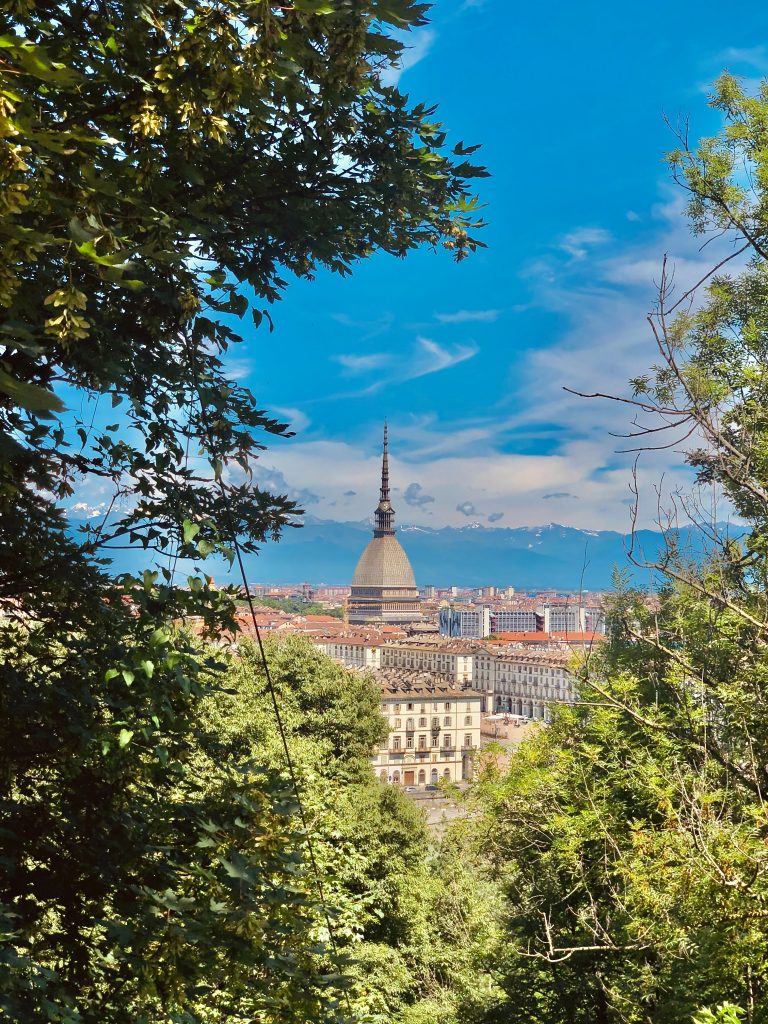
<point>526,557</point>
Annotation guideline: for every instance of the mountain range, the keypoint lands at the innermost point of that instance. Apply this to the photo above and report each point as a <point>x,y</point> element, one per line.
<point>525,557</point>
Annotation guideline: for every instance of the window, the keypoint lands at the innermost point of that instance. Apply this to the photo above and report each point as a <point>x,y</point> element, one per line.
<point>468,720</point>
<point>434,776</point>
<point>436,739</point>
<point>409,707</point>
<point>435,723</point>
<point>395,742</point>
<point>467,741</point>
<point>398,723</point>
<point>469,706</point>
<point>422,777</point>
<point>409,742</point>
<point>409,724</point>
<point>447,720</point>
<point>397,709</point>
<point>446,740</point>
<point>434,707</point>
<point>396,778</point>
<point>422,723</point>
<point>447,706</point>
<point>423,708</point>
<point>422,742</point>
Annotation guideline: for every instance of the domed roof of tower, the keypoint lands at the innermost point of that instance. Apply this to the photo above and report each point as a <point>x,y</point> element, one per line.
<point>383,587</point>
<point>384,564</point>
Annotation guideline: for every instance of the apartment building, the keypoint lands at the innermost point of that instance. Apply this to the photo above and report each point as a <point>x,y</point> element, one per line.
<point>450,658</point>
<point>352,652</point>
<point>531,684</point>
<point>434,730</point>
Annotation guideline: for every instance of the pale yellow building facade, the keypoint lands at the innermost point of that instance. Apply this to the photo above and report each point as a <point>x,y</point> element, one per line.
<point>434,731</point>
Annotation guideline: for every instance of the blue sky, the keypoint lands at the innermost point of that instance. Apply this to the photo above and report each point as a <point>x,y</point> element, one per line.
<point>468,361</point>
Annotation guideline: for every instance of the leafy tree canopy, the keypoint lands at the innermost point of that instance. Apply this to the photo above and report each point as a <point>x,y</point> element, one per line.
<point>165,167</point>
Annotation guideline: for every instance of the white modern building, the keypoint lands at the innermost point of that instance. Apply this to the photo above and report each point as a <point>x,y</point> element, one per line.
<point>514,620</point>
<point>473,621</point>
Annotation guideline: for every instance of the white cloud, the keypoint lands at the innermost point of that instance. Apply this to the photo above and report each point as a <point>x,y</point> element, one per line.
<point>421,41</point>
<point>426,357</point>
<point>355,364</point>
<point>577,243</point>
<point>463,316</point>
<point>755,56</point>
<point>431,357</point>
<point>368,328</point>
<point>295,417</point>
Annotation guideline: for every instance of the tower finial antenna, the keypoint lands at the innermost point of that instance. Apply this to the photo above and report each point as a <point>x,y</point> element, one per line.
<point>385,514</point>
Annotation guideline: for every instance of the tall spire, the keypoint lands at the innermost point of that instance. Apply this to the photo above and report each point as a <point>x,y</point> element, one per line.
<point>384,514</point>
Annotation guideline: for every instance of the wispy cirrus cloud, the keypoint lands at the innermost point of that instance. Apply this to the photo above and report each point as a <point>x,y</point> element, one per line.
<point>430,357</point>
<point>754,56</point>
<point>368,328</point>
<point>463,316</point>
<point>426,357</point>
<point>577,243</point>
<point>417,45</point>
<point>356,364</point>
<point>296,418</point>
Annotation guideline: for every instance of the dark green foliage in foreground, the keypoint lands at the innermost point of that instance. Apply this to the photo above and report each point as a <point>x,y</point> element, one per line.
<point>133,886</point>
<point>164,167</point>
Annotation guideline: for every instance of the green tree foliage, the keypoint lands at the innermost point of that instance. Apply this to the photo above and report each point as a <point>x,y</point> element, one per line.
<point>133,886</point>
<point>632,835</point>
<point>297,606</point>
<point>165,169</point>
<point>410,921</point>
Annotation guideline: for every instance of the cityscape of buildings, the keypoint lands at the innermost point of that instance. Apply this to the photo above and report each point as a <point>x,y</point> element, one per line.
<point>458,668</point>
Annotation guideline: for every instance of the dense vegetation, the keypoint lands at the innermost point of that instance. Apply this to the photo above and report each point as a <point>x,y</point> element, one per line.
<point>163,167</point>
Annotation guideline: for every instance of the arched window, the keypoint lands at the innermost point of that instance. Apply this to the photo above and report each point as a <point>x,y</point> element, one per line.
<point>383,775</point>
<point>422,777</point>
<point>434,776</point>
<point>396,778</point>
<point>447,774</point>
